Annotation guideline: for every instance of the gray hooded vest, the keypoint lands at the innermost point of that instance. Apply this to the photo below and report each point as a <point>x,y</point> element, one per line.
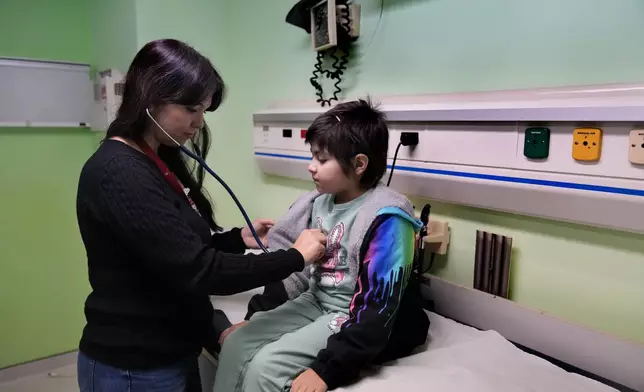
<point>298,218</point>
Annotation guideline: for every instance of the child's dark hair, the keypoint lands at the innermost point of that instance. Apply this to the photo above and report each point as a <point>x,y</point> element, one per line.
<point>353,128</point>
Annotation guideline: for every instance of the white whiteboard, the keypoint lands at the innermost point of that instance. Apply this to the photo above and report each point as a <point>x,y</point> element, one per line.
<point>44,94</point>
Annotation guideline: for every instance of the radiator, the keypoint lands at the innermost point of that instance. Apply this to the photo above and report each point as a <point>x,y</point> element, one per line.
<point>492,263</point>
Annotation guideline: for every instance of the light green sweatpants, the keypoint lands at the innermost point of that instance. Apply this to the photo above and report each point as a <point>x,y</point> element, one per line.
<point>274,347</point>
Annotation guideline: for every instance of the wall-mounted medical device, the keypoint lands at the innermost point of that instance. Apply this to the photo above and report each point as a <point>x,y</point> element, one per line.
<point>334,25</point>
<point>473,151</point>
<point>108,92</point>
<point>536,142</point>
<point>587,144</point>
<point>636,148</point>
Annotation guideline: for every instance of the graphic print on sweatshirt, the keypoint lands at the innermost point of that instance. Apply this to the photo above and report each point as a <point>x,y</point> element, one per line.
<point>333,281</point>
<point>335,256</point>
<point>336,322</point>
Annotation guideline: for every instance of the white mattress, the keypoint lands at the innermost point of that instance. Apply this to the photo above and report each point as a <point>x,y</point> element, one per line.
<point>456,358</point>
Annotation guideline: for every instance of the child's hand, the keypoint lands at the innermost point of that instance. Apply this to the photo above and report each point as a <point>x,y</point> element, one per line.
<point>229,330</point>
<point>261,226</point>
<point>308,381</point>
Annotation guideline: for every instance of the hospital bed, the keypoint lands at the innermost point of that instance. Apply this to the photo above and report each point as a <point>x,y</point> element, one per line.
<point>459,357</point>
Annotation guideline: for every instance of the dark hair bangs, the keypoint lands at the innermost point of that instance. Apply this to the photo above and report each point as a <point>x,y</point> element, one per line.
<point>203,83</point>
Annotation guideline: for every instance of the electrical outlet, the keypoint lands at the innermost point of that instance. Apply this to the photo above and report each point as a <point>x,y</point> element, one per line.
<point>409,139</point>
<point>537,143</point>
<point>265,134</point>
<point>636,147</point>
<point>587,144</point>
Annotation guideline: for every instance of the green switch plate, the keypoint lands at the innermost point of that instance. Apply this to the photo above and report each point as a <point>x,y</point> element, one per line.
<point>537,143</point>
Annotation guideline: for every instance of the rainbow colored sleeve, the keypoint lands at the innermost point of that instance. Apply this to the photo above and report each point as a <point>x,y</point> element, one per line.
<point>387,266</point>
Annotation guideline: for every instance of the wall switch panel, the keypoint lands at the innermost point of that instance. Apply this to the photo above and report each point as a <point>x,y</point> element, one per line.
<point>587,144</point>
<point>537,143</point>
<point>636,147</point>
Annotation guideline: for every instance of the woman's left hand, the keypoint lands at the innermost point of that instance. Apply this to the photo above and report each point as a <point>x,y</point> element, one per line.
<point>262,226</point>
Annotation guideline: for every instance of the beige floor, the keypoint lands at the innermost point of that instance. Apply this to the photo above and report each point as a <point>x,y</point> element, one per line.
<point>59,380</point>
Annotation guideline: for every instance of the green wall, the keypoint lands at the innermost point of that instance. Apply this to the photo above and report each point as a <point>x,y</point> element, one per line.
<point>113,32</point>
<point>581,274</point>
<point>208,26</point>
<point>37,28</point>
<point>43,273</point>
<point>43,277</point>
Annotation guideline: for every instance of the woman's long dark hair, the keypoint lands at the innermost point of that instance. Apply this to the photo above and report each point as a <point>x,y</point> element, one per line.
<point>170,71</point>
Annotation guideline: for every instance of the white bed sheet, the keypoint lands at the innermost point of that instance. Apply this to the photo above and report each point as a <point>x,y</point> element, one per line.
<point>457,358</point>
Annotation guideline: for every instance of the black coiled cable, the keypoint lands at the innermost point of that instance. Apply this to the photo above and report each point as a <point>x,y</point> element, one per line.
<point>340,54</point>
<point>317,72</point>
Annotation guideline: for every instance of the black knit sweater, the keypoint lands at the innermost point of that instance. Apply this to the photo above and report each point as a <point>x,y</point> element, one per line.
<point>153,264</point>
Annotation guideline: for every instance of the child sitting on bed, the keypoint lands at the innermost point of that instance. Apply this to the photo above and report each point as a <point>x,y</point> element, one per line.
<point>359,305</point>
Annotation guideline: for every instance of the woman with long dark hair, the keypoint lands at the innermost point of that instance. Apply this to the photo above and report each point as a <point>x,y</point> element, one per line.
<point>148,226</point>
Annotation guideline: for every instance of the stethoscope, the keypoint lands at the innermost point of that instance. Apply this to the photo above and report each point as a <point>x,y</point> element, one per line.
<point>212,173</point>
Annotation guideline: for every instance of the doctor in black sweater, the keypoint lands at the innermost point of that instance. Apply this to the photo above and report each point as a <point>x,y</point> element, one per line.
<point>147,228</point>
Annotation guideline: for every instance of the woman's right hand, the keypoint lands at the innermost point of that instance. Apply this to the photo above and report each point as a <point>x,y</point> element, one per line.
<point>311,244</point>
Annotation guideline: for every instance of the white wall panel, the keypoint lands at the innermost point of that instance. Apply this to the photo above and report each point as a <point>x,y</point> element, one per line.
<point>470,151</point>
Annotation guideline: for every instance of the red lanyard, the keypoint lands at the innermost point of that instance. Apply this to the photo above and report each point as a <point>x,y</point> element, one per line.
<point>167,174</point>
